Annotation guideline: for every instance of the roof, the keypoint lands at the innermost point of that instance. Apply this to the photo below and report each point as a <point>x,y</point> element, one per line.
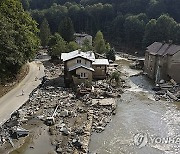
<point>173,49</point>
<point>153,48</point>
<point>161,49</point>
<point>78,53</point>
<point>100,62</point>
<point>80,66</point>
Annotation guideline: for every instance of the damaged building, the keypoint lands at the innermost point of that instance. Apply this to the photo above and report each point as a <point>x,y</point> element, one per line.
<point>80,38</point>
<point>81,67</point>
<point>162,61</point>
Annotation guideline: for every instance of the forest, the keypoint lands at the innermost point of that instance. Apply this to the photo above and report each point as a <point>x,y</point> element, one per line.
<point>128,25</point>
<point>19,38</point>
<point>133,24</point>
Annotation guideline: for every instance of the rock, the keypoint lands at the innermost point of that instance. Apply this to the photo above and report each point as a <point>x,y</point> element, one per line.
<point>41,117</point>
<point>81,110</point>
<point>23,120</point>
<point>77,143</point>
<point>161,81</point>
<point>65,131</point>
<point>64,113</point>
<point>52,131</point>
<point>60,125</point>
<point>79,131</point>
<point>59,150</point>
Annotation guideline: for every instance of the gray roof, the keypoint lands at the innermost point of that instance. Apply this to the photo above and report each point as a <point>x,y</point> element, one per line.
<point>100,62</point>
<point>153,48</point>
<point>161,49</point>
<point>173,49</point>
<point>78,53</point>
<point>80,66</point>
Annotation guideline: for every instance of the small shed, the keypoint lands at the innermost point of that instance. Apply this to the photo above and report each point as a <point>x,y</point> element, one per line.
<point>100,67</point>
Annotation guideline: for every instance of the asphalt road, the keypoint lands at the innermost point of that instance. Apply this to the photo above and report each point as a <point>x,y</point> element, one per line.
<point>14,99</point>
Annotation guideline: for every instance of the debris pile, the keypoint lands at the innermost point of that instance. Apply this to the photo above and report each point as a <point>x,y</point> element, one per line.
<point>170,91</point>
<point>137,64</point>
<point>100,89</point>
<point>103,110</point>
<point>69,118</point>
<point>52,71</point>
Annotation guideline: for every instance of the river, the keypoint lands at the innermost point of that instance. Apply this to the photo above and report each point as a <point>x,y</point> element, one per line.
<point>141,124</point>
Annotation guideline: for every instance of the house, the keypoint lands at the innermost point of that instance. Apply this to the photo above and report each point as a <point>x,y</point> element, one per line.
<point>81,67</point>
<point>80,38</point>
<point>162,61</point>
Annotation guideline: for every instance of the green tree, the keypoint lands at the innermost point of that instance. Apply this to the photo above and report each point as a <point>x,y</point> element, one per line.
<point>72,46</point>
<point>18,34</point>
<point>156,8</point>
<point>86,46</point>
<point>66,29</point>
<point>177,36</point>
<point>44,32</point>
<point>115,76</point>
<point>25,4</point>
<point>166,28</point>
<point>134,30</point>
<point>111,54</point>
<point>57,46</point>
<point>99,43</point>
<point>150,33</point>
<point>116,31</point>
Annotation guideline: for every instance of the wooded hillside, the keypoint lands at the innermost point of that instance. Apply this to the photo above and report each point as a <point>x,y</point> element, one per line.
<point>18,35</point>
<point>129,23</point>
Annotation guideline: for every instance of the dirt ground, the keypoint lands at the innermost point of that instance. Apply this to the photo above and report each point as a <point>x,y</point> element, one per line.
<point>5,88</point>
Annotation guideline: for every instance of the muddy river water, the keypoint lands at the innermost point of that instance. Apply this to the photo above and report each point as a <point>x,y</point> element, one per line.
<point>141,124</point>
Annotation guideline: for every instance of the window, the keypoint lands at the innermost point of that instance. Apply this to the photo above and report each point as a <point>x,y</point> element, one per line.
<point>78,61</point>
<point>83,75</point>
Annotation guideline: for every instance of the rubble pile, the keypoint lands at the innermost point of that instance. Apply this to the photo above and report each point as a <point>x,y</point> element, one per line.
<point>103,110</point>
<point>170,91</point>
<point>69,118</point>
<point>100,89</point>
<point>52,71</point>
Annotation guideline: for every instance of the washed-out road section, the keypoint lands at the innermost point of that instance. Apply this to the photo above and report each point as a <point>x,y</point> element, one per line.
<point>14,99</point>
